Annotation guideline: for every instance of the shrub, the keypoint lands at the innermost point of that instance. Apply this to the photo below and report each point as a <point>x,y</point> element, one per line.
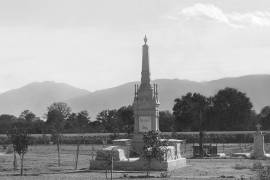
<point>241,166</point>
<point>165,174</point>
<point>264,173</point>
<point>257,165</point>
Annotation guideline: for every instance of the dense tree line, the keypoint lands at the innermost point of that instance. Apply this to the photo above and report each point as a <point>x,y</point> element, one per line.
<point>26,120</point>
<point>61,119</point>
<point>228,110</point>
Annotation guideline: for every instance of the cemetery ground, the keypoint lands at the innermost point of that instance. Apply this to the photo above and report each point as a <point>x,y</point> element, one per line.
<point>41,163</point>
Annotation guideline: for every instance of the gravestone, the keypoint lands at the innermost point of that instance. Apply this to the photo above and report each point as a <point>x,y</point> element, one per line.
<point>258,147</point>
<point>258,144</point>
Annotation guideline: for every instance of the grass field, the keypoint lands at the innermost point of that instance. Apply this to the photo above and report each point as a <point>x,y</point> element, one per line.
<point>41,163</point>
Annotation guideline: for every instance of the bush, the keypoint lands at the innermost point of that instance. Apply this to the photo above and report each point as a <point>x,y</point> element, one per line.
<point>264,173</point>
<point>9,149</point>
<point>165,174</point>
<point>241,166</point>
<point>257,165</point>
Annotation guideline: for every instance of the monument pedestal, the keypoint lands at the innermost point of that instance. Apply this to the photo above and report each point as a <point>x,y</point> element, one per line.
<point>137,143</point>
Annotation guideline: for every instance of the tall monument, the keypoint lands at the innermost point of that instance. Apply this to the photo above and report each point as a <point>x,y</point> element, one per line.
<point>146,117</point>
<point>146,103</point>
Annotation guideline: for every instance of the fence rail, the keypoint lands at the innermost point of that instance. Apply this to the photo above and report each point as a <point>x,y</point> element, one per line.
<point>163,133</point>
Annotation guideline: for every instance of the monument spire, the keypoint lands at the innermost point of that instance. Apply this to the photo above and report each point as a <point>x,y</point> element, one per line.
<point>145,79</point>
<point>145,39</point>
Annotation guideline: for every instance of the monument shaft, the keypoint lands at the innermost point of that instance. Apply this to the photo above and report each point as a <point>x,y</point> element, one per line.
<point>146,101</point>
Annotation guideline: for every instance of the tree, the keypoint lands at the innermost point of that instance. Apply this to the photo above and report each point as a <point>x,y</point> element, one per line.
<point>82,122</point>
<point>188,111</point>
<point>20,139</point>
<point>6,122</point>
<point>71,123</point>
<point>96,126</point>
<point>57,115</point>
<point>38,126</point>
<point>109,120</point>
<point>60,107</point>
<point>27,120</point>
<point>166,121</point>
<point>27,115</point>
<point>116,120</point>
<point>192,110</point>
<point>264,117</point>
<point>231,110</point>
<point>254,120</point>
<point>153,149</point>
<point>126,119</point>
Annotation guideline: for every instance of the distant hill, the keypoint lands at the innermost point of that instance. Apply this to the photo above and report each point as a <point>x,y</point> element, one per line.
<point>257,87</point>
<point>37,96</point>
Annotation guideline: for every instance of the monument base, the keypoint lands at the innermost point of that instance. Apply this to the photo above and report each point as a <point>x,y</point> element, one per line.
<point>171,160</point>
<point>137,143</point>
<point>137,164</point>
<point>259,156</point>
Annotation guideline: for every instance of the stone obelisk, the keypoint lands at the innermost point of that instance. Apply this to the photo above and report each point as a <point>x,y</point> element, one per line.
<point>146,117</point>
<point>146,103</point>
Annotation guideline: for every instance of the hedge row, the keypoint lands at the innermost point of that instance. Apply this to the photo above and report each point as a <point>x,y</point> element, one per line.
<point>107,139</point>
<point>48,139</point>
<point>214,138</point>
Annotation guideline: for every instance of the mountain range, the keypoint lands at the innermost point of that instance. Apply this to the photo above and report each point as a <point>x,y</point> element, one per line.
<point>38,96</point>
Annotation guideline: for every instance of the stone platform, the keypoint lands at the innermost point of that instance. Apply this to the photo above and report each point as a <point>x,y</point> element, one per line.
<point>171,160</point>
<point>137,164</point>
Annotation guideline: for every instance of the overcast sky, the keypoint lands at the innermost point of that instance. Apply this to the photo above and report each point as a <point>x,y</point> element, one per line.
<point>96,44</point>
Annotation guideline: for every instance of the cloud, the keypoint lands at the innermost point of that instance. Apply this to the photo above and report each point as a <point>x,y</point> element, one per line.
<point>253,18</point>
<point>208,10</point>
<point>233,19</point>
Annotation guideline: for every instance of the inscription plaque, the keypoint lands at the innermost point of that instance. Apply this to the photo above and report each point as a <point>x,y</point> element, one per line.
<point>145,123</point>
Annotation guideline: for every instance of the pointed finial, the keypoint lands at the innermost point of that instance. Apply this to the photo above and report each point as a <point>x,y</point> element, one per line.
<point>145,39</point>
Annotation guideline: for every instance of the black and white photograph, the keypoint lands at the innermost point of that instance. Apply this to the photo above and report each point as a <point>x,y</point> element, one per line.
<point>134,89</point>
